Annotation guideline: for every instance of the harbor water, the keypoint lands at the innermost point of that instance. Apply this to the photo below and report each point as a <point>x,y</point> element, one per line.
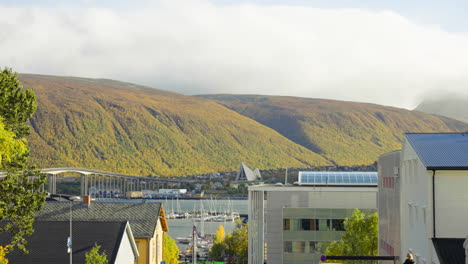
<point>183,227</point>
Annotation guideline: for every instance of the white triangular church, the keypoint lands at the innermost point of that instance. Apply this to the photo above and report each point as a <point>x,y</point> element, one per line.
<point>246,174</point>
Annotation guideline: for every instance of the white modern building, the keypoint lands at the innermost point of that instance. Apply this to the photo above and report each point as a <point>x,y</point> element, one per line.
<point>246,174</point>
<point>431,183</point>
<point>292,223</point>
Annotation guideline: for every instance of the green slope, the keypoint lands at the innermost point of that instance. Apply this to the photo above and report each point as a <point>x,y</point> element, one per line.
<point>121,127</point>
<point>345,133</point>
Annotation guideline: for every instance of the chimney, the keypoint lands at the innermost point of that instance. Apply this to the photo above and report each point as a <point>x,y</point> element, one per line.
<point>87,200</point>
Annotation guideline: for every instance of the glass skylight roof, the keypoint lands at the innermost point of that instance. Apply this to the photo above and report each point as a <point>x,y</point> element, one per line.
<point>337,178</point>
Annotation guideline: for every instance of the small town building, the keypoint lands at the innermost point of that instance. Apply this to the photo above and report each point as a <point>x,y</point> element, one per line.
<point>293,223</point>
<point>48,243</point>
<point>147,220</point>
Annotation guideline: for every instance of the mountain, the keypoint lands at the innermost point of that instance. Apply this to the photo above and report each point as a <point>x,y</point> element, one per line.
<point>455,107</point>
<point>127,128</point>
<point>345,133</point>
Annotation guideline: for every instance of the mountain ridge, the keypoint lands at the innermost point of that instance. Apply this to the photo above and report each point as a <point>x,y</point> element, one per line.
<point>145,131</point>
<point>343,132</point>
<point>122,127</point>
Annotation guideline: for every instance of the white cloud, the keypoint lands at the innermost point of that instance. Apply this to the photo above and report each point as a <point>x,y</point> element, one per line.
<point>195,47</point>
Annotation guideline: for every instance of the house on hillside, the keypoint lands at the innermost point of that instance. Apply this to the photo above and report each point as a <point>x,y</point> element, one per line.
<point>288,224</point>
<point>429,182</point>
<point>48,243</point>
<point>246,174</point>
<point>147,220</point>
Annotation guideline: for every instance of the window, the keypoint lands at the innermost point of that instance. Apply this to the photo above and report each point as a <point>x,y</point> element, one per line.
<point>298,246</point>
<point>294,224</point>
<point>312,225</point>
<point>338,225</point>
<point>323,224</point>
<point>312,246</point>
<point>286,224</point>
<point>305,224</point>
<point>288,246</point>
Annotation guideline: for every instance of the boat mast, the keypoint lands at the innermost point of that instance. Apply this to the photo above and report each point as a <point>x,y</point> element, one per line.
<point>194,246</point>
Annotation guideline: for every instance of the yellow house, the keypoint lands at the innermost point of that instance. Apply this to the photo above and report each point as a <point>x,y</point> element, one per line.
<point>150,248</point>
<point>147,220</point>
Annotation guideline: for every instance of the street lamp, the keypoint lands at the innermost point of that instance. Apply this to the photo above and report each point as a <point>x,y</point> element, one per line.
<point>69,240</point>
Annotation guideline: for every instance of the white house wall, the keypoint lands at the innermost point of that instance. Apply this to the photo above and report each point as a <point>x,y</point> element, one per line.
<point>125,252</point>
<point>415,208</point>
<point>451,188</point>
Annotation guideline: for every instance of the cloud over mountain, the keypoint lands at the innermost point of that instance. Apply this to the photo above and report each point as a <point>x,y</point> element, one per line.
<point>196,47</point>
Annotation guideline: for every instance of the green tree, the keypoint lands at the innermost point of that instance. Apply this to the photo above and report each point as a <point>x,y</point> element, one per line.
<point>94,257</point>
<point>234,246</point>
<point>237,245</point>
<point>170,250</point>
<point>17,104</point>
<point>217,251</point>
<point>360,238</point>
<point>219,247</point>
<point>19,185</point>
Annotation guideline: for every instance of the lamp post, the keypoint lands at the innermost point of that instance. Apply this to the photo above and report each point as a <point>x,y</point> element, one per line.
<point>69,240</point>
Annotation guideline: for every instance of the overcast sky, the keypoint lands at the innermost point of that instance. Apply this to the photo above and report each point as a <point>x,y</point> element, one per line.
<point>385,52</point>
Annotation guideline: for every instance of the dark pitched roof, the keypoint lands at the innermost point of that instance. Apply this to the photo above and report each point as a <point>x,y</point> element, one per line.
<point>143,217</point>
<point>48,244</point>
<point>449,250</point>
<point>444,151</point>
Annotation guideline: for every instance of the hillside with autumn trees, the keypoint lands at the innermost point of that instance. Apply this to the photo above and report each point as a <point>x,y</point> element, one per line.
<point>344,133</point>
<point>121,127</point>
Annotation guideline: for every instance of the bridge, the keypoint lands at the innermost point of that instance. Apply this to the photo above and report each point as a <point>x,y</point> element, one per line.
<point>102,183</point>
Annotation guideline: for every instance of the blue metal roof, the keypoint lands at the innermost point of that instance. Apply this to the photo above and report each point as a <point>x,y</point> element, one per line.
<point>441,151</point>
<point>337,178</point>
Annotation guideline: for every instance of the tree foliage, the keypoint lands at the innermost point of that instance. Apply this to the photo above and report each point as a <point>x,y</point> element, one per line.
<point>17,104</point>
<point>170,250</point>
<point>11,148</point>
<point>19,188</point>
<point>234,246</point>
<point>220,235</point>
<point>142,131</point>
<point>3,251</point>
<point>360,238</point>
<point>95,257</point>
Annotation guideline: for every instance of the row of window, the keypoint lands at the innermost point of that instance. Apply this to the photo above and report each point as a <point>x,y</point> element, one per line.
<point>313,224</point>
<point>300,246</point>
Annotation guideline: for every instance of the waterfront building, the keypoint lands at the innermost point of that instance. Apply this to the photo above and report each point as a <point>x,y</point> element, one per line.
<point>294,223</point>
<point>429,177</point>
<point>147,220</point>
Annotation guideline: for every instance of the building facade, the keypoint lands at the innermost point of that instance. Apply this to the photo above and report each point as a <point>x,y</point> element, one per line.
<point>433,207</point>
<point>389,203</point>
<point>294,223</point>
<point>147,220</point>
